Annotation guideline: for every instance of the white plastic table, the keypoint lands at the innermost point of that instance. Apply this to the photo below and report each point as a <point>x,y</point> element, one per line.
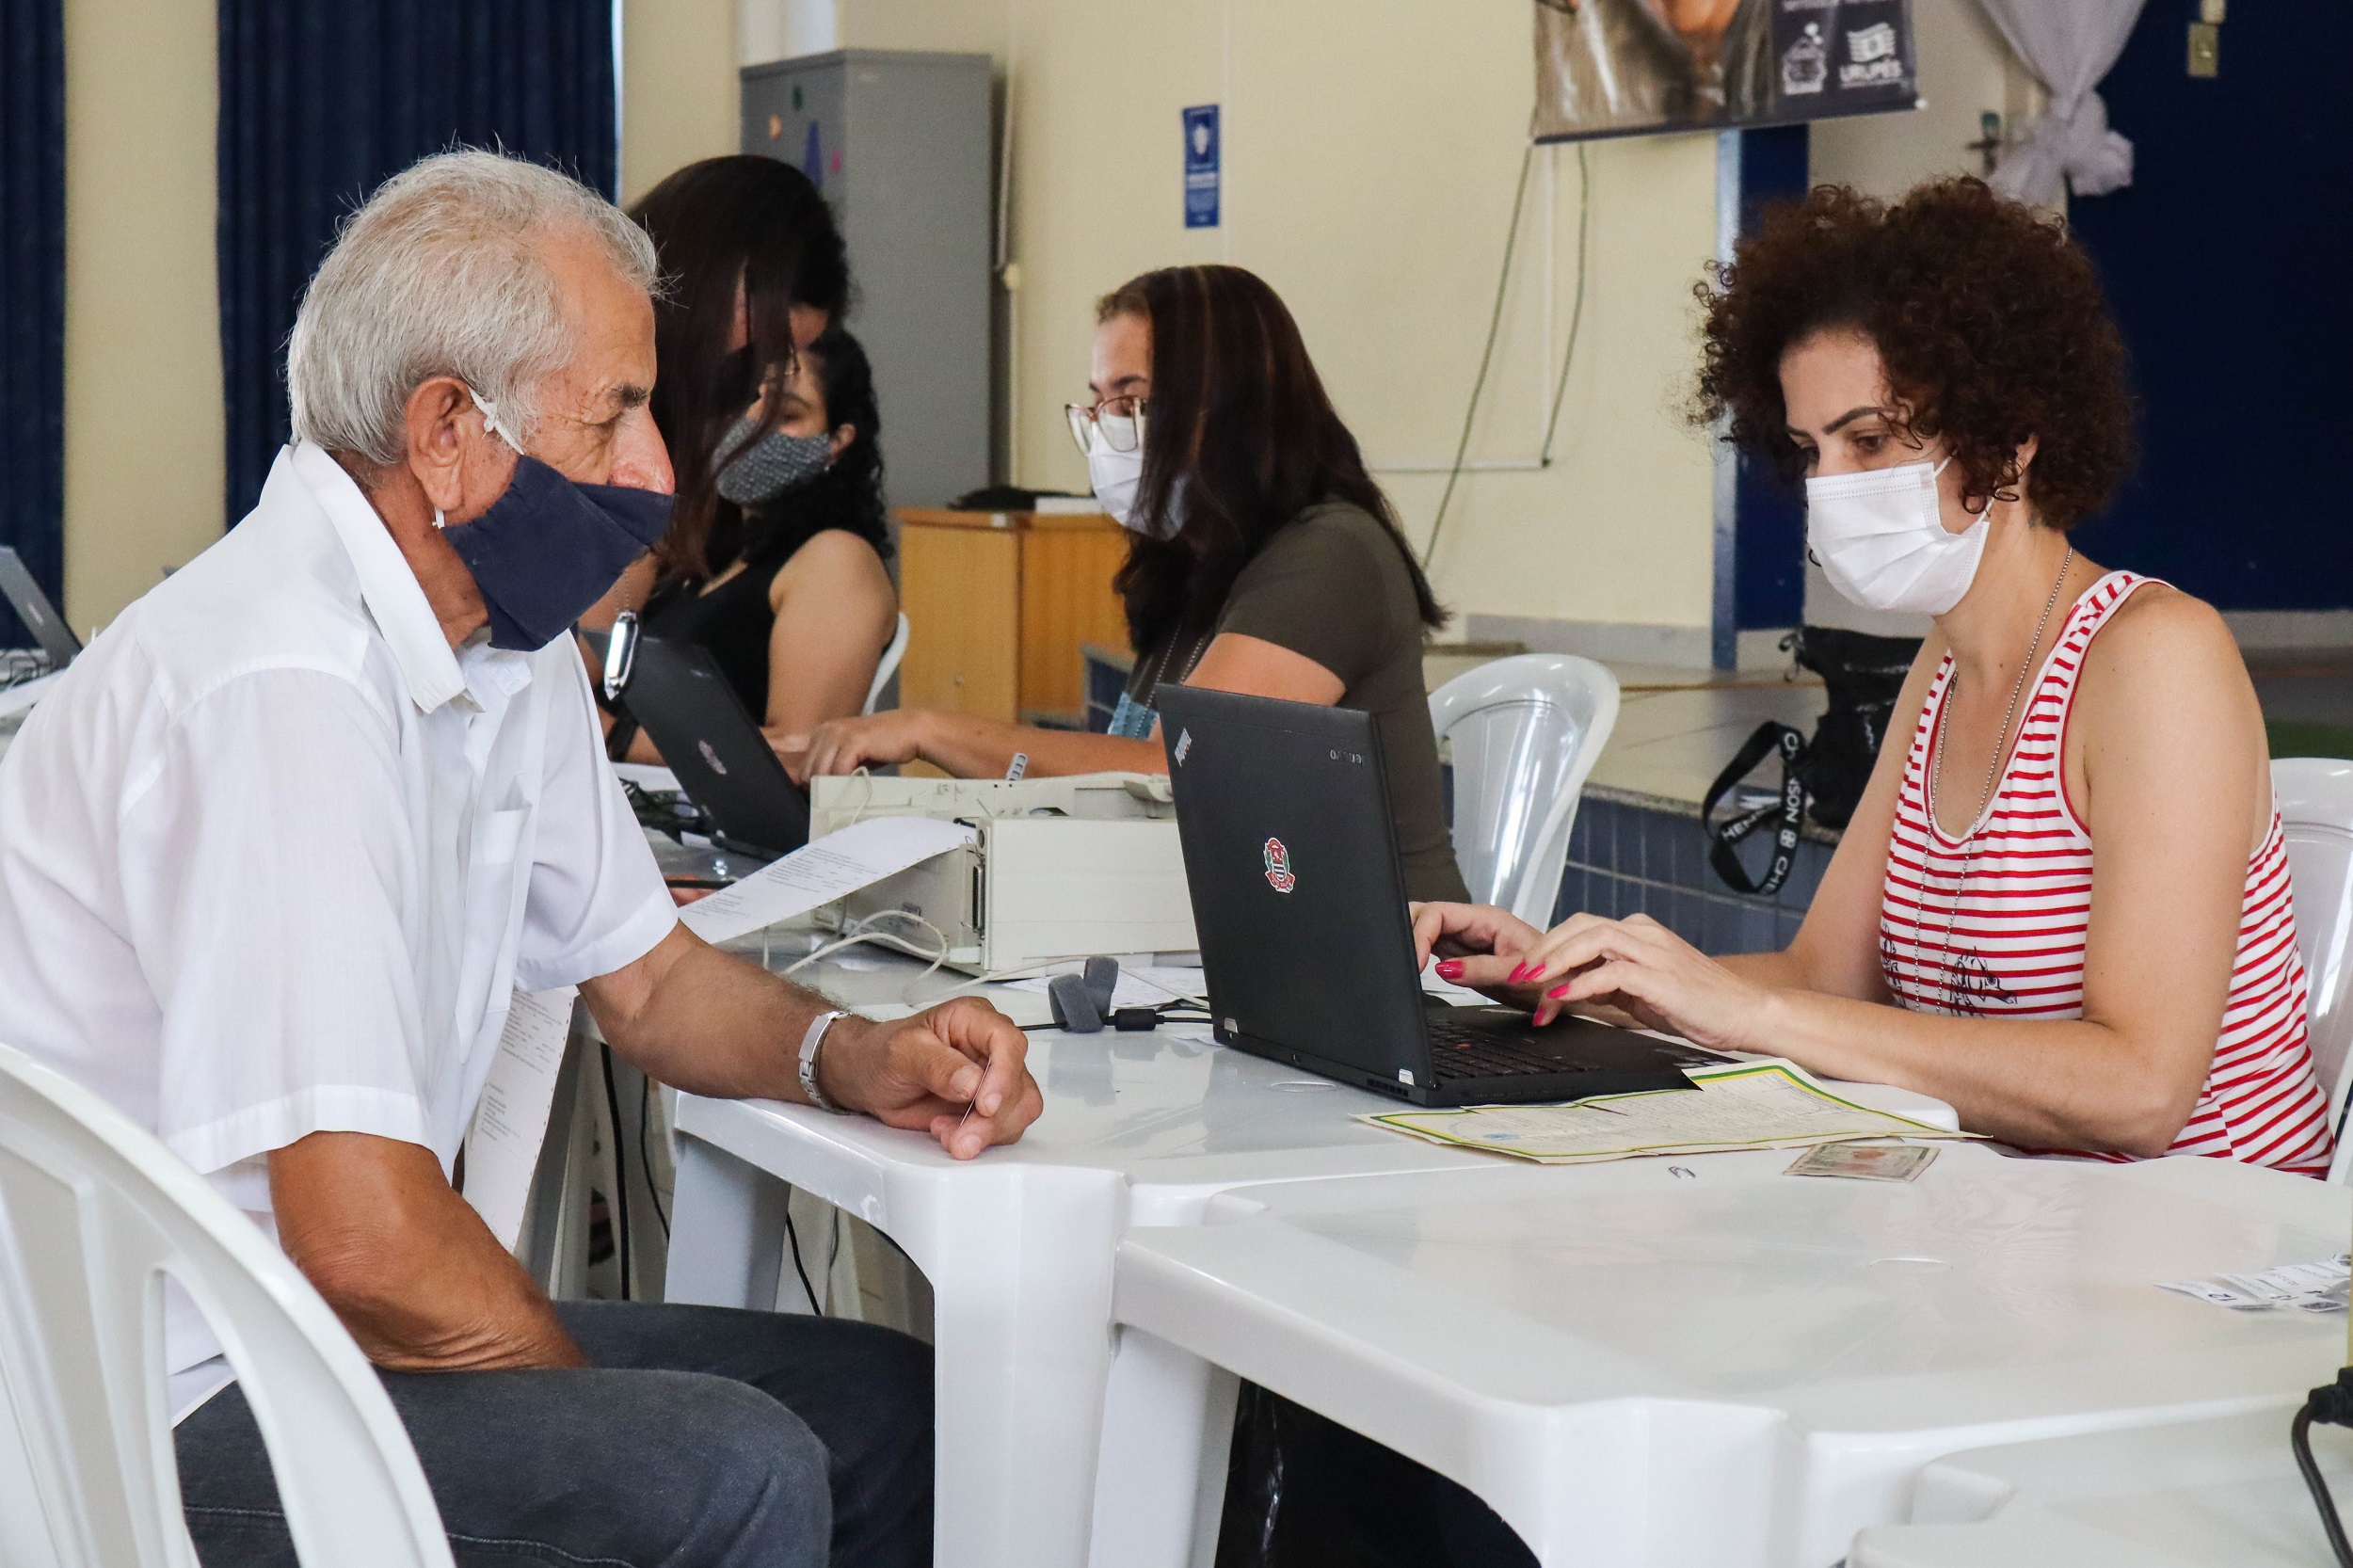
<point>1019,1245</point>
<point>2210,1493</point>
<point>1732,1367</point>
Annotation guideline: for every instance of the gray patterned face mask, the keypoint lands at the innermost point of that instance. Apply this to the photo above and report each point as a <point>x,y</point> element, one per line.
<point>766,468</point>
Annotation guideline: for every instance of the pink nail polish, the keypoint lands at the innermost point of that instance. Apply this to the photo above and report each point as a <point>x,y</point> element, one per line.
<point>1559,993</point>
<point>1450,969</point>
<point>1520,973</point>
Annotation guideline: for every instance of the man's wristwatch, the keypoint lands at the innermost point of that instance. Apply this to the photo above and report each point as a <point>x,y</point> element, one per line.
<point>809,1042</point>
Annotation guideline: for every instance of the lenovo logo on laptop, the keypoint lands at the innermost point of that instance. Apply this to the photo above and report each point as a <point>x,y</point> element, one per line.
<point>1278,867</point>
<point>711,756</point>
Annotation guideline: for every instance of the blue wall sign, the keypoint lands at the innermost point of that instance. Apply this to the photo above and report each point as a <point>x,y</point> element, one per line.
<point>1203,156</point>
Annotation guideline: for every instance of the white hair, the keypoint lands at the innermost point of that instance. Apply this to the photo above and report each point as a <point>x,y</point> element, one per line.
<point>442,272</point>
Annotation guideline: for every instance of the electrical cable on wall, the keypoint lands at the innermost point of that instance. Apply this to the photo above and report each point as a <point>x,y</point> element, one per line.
<point>1495,322</point>
<point>1486,355</point>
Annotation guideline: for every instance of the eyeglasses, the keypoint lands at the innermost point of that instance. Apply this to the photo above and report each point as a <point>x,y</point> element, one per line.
<point>1120,419</point>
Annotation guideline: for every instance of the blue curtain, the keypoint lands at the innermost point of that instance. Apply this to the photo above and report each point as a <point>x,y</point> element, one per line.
<point>322,100</point>
<point>32,293</point>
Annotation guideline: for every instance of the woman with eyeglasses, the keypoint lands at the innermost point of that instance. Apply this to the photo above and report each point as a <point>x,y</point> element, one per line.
<point>1262,559</point>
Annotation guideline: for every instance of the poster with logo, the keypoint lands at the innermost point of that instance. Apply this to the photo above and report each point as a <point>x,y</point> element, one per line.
<point>1613,68</point>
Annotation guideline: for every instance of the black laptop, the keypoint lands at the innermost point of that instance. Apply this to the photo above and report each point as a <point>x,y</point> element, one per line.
<point>1305,943</point>
<point>32,606</point>
<point>722,762</point>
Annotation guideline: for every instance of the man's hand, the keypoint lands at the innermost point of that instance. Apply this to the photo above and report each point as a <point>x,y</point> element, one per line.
<point>924,1072</point>
<point>406,1263</point>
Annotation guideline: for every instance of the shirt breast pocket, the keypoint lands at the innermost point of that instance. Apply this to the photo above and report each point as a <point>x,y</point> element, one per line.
<point>497,835</point>
<point>496,877</point>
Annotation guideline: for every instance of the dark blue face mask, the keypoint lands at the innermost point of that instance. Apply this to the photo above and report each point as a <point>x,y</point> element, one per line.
<point>550,547</point>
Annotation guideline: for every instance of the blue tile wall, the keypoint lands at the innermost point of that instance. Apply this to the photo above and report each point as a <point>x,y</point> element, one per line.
<point>1626,859</point>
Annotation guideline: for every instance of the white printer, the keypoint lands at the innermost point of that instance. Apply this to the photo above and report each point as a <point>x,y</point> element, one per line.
<point>1063,868</point>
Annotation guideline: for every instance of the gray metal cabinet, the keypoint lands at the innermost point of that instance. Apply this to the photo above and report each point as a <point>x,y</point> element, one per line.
<point>899,142</point>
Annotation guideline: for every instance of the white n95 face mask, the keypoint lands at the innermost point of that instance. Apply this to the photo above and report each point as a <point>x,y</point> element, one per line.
<point>1116,477</point>
<point>1881,540</point>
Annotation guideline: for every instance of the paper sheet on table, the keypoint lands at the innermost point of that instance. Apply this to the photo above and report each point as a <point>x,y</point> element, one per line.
<point>510,1120</point>
<point>1147,986</point>
<point>832,867</point>
<point>1772,1104</point>
<point>2319,1288</point>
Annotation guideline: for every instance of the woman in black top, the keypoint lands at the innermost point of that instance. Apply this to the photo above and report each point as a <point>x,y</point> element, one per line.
<point>774,560</point>
<point>1264,559</point>
<point>802,606</point>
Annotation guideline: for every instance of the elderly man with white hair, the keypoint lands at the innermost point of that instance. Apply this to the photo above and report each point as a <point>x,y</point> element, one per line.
<point>277,850</point>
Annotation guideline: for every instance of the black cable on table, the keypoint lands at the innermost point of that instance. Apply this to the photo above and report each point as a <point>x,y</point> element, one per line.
<point>792,1237</point>
<point>617,1207</point>
<point>2332,1405</point>
<point>644,1156</point>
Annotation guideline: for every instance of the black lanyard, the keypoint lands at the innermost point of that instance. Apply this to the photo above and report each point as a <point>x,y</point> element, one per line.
<point>1724,838</point>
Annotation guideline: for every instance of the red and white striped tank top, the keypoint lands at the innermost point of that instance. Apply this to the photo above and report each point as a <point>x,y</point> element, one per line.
<point>2016,922</point>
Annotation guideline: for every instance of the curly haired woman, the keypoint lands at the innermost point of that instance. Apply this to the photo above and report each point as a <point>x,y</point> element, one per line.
<point>2064,906</point>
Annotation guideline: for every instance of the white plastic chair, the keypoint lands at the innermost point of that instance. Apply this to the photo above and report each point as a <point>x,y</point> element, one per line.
<point>1525,732</point>
<point>93,1213</point>
<point>2315,796</point>
<point>889,666</point>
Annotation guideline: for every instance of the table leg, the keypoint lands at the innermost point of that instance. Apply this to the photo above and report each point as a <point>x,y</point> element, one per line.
<point>727,1231</point>
<point>1020,1258</point>
<point>1168,1425</point>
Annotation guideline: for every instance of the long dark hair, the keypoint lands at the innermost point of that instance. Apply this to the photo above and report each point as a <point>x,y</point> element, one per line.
<point>1240,419</point>
<point>718,225</point>
<point>848,495</point>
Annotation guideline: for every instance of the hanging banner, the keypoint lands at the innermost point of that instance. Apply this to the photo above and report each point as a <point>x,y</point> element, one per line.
<point>1611,68</point>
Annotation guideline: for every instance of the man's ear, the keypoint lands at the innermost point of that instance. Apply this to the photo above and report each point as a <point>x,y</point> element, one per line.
<point>438,439</point>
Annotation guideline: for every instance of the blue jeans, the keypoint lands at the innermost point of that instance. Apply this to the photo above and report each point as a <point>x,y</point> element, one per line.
<point>698,1437</point>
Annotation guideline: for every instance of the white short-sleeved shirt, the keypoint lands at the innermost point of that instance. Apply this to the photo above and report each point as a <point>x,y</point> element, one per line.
<point>273,857</point>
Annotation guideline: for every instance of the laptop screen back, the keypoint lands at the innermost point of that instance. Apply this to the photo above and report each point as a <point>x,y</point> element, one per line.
<point>722,761</point>
<point>1297,894</point>
<point>32,607</point>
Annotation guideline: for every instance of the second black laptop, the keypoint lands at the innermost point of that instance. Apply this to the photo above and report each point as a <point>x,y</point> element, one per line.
<point>722,761</point>
<point>1306,942</point>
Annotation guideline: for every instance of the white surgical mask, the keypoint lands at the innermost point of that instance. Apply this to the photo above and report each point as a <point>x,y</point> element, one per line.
<point>1881,540</point>
<point>1116,477</point>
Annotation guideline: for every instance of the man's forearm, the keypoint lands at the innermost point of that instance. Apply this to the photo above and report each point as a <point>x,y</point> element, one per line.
<point>706,1021</point>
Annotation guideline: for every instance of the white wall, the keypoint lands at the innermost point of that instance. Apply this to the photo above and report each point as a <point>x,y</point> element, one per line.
<point>1371,151</point>
<point>145,465</point>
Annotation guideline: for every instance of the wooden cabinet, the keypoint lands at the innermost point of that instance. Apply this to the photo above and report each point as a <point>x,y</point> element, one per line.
<point>998,604</point>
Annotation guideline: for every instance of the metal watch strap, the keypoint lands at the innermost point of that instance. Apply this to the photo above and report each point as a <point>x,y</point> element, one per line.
<point>809,1042</point>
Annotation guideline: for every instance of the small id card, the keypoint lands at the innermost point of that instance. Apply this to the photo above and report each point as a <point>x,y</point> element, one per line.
<point>1865,1161</point>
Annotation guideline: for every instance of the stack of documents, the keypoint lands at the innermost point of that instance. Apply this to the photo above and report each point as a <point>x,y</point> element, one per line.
<point>1769,1104</point>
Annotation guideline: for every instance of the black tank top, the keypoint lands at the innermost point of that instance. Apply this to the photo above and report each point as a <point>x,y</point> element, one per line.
<point>733,622</point>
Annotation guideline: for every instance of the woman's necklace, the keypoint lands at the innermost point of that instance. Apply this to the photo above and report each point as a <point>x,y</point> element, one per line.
<point>1953,972</point>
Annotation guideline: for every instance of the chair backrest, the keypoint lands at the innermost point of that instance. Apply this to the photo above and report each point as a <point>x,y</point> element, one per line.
<point>889,666</point>
<point>1524,732</point>
<point>2315,796</point>
<point>93,1213</point>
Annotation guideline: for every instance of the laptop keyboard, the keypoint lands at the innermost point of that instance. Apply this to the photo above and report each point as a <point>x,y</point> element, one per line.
<point>1469,1051</point>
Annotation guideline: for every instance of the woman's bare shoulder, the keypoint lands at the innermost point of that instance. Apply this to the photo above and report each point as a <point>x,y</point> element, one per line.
<point>833,560</point>
<point>2161,635</point>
